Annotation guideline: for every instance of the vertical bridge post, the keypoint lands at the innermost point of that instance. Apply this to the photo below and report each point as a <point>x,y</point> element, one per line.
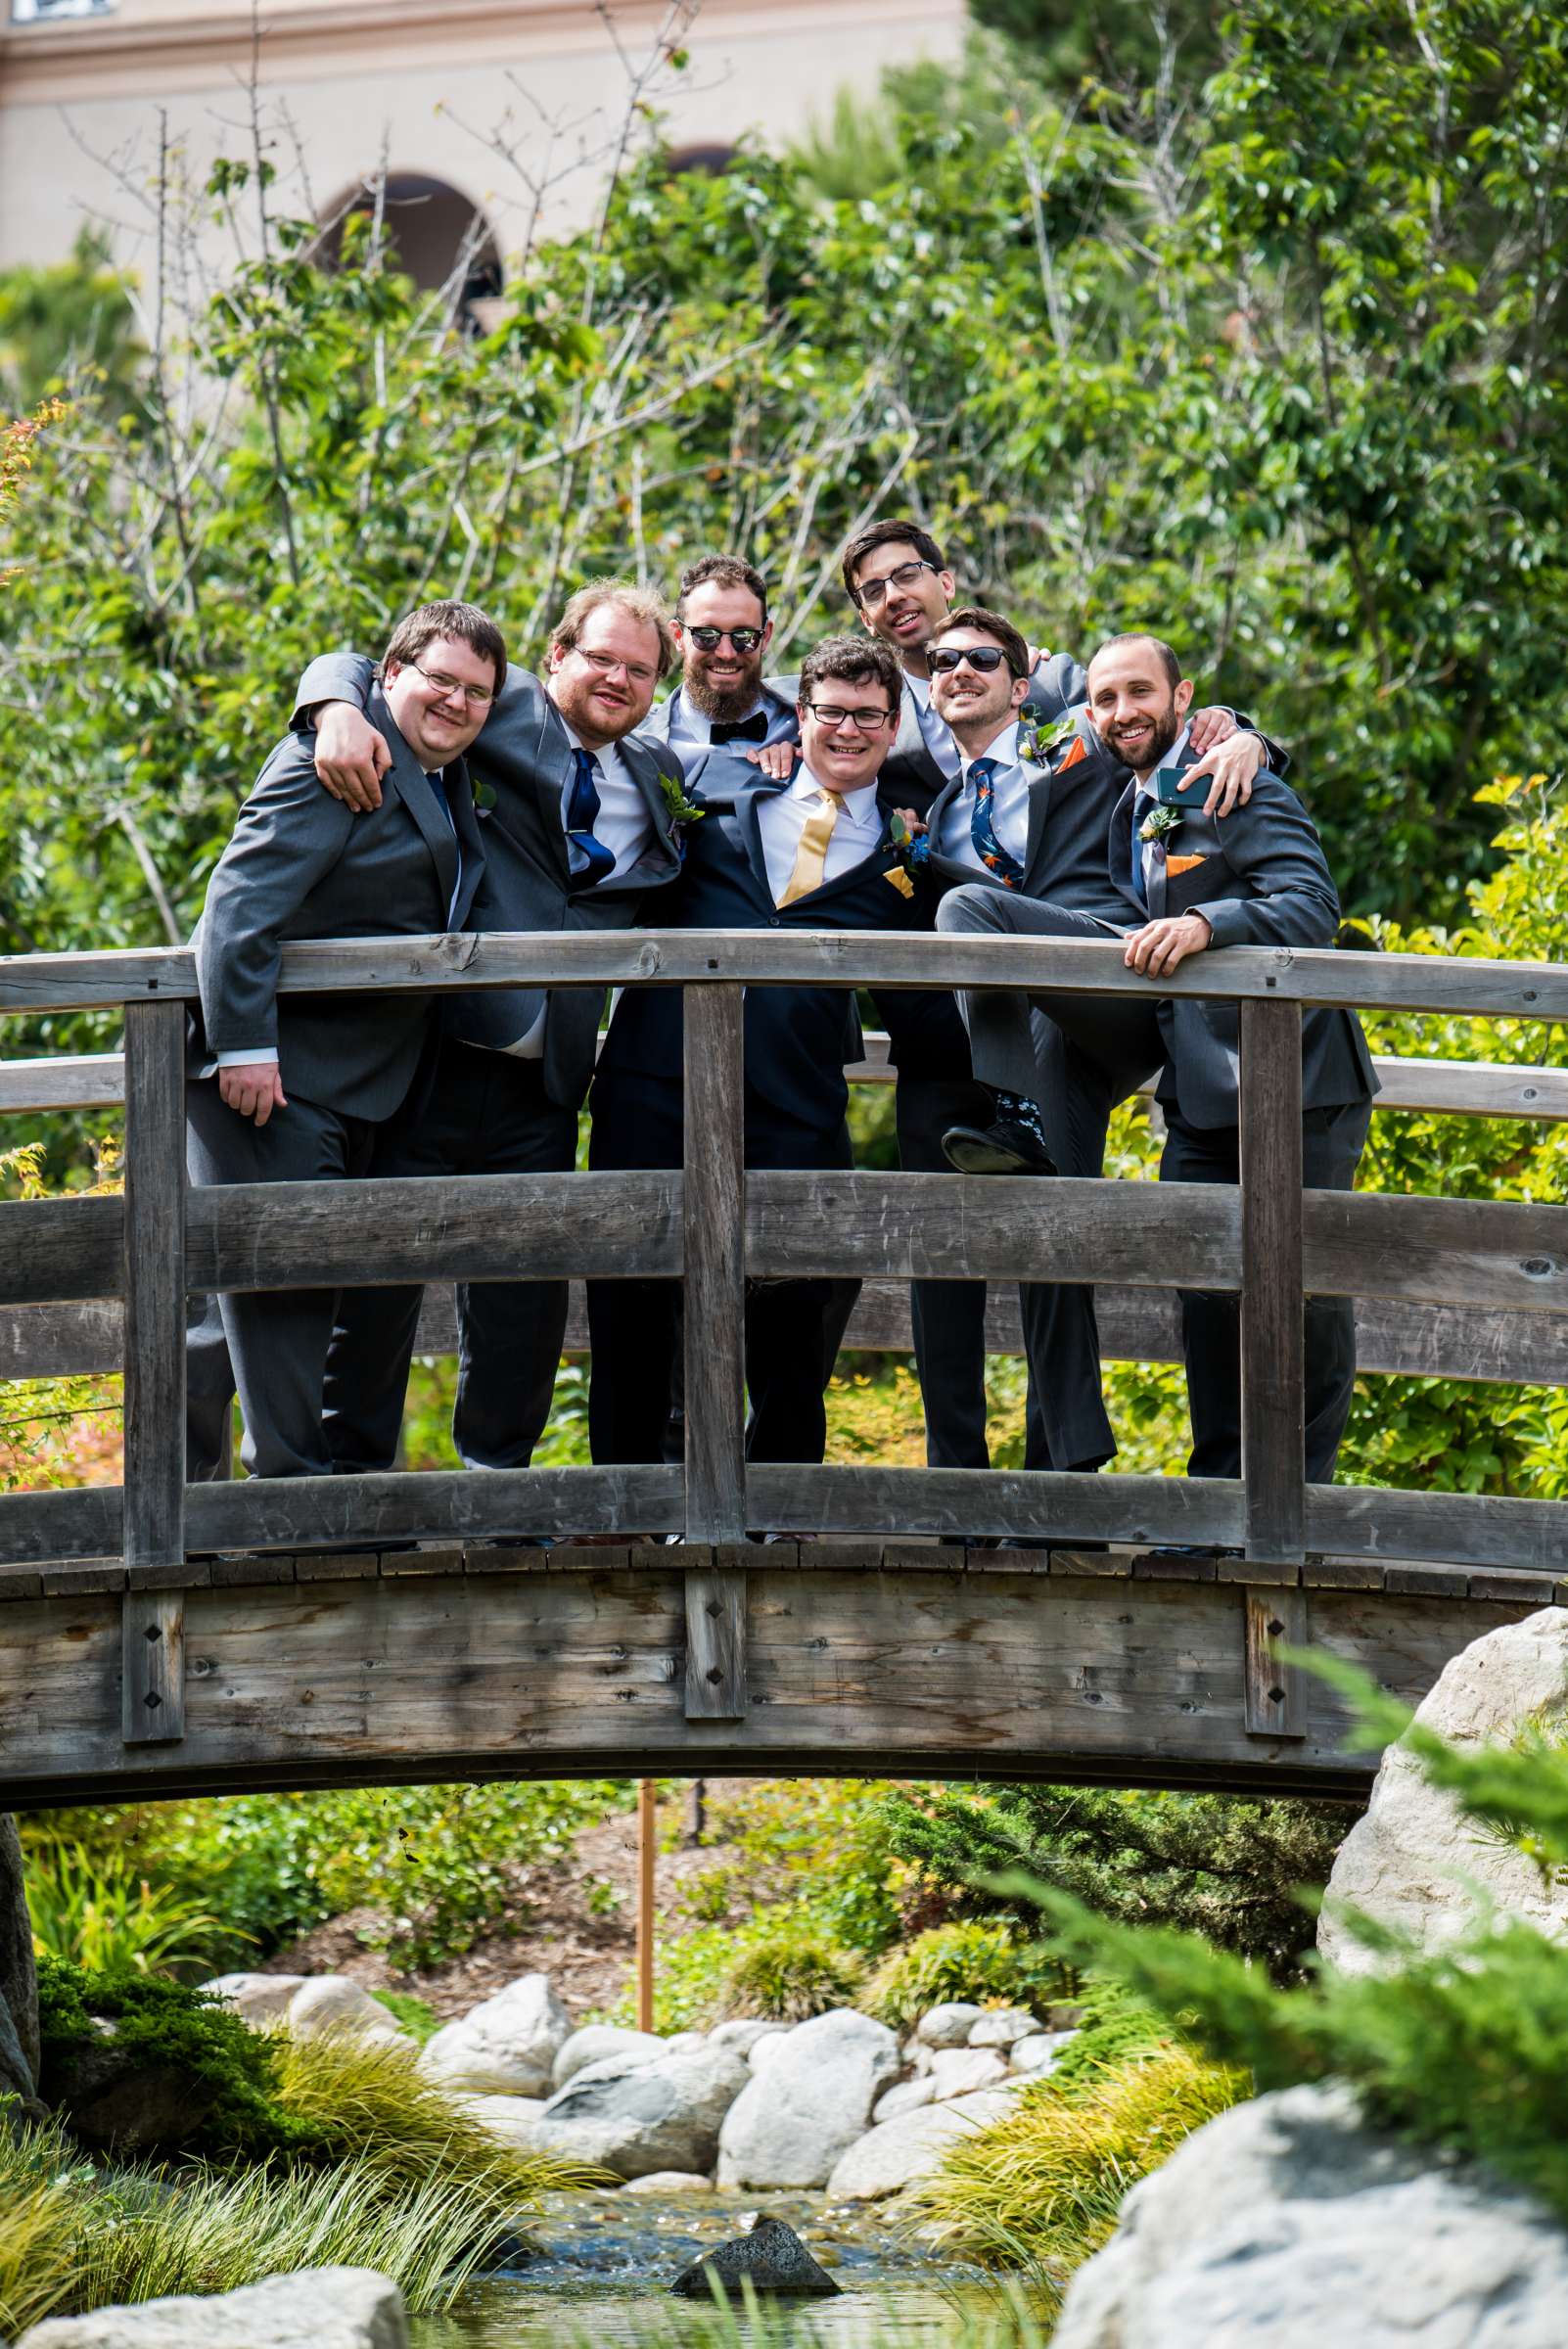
<point>153,1618</point>
<point>715,1260</point>
<point>1273,1407</point>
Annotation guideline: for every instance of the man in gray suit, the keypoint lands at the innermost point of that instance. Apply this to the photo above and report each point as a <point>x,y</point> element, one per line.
<point>722,630</point>
<point>302,1088</point>
<point>1254,876</point>
<point>581,828</point>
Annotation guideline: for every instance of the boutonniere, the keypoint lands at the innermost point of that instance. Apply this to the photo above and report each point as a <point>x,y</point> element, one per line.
<point>682,809</point>
<point>1160,823</point>
<point>484,796</point>
<point>899,880</point>
<point>1038,738</point>
<point>913,848</point>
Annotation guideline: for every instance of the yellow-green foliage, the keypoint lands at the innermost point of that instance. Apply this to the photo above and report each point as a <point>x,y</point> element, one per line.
<point>1043,2186</point>
<point>989,1962</point>
<point>38,2234</point>
<point>373,2103</point>
<point>788,1976</point>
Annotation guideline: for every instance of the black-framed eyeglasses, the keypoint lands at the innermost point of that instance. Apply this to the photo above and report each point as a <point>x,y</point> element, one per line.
<point>907,576</point>
<point>709,640</point>
<point>986,658</point>
<point>865,722</point>
<point>478,697</point>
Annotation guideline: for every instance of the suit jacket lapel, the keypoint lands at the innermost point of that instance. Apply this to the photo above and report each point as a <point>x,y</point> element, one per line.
<point>743,828</point>
<point>460,798</point>
<point>408,781</point>
<point>644,772</point>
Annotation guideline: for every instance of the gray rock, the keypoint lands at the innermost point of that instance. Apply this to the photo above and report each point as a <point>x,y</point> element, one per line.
<point>1037,2054</point>
<point>1004,2028</point>
<point>910,2147</point>
<point>672,2182</point>
<point>663,2115</point>
<point>1413,1860</point>
<point>18,1977</point>
<point>331,2002</point>
<point>964,2071</point>
<point>117,2102</point>
<point>320,2308</point>
<point>1287,2223</point>
<point>506,2117</point>
<point>745,2032</point>
<point>793,2120</point>
<point>596,2042</point>
<point>948,2025</point>
<point>908,2097</point>
<point>259,2000</point>
<point>772,2257</point>
<point>506,2046</point>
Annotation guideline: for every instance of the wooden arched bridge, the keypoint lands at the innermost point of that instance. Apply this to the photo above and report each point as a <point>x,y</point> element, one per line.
<point>162,1639</point>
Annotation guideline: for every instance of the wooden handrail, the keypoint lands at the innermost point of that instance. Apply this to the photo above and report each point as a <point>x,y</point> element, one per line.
<point>1460,986</point>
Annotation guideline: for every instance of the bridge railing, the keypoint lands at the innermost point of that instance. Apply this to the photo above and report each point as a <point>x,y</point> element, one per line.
<point>1466,1266</point>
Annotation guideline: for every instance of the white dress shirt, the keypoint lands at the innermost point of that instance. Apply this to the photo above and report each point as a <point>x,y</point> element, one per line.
<point>1009,804</point>
<point>691,729</point>
<point>936,731</point>
<point>781,817</point>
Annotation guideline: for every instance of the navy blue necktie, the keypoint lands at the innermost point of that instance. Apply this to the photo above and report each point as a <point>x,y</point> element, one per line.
<point>444,801</point>
<point>588,859</point>
<point>983,827</point>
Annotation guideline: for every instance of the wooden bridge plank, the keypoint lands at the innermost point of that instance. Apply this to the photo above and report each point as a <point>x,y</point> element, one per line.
<point>152,1680</point>
<point>972,1502</point>
<point>714,1243</point>
<point>715,1644</point>
<point>1273,1356</point>
<point>1465,1530</point>
<point>1459,984</point>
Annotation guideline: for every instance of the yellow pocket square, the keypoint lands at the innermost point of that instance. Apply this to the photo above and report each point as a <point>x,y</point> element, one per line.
<point>1182,864</point>
<point>899,880</point>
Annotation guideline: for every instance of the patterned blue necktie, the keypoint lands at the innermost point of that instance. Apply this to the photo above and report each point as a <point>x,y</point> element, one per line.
<point>983,829</point>
<point>588,858</point>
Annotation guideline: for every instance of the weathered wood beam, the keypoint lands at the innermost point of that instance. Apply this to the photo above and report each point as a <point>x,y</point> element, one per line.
<point>1273,1356</point>
<point>153,1646</point>
<point>974,1501</point>
<point>1457,984</point>
<point>1275,1691</point>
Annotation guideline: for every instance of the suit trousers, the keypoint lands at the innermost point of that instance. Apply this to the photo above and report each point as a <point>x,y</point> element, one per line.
<point>277,1338</point>
<point>636,1326</point>
<point>484,1113</point>
<point>1077,1056</point>
<point>1332,1142</point>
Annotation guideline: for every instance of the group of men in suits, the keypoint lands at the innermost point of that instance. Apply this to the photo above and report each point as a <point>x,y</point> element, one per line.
<point>930,770</point>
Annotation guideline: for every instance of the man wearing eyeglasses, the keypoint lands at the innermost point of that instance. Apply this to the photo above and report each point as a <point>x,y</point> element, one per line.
<point>578,830</point>
<point>722,632</point>
<point>305,1088</point>
<point>815,853</point>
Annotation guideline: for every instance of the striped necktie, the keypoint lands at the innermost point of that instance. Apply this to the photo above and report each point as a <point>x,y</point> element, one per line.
<point>983,826</point>
<point>811,858</point>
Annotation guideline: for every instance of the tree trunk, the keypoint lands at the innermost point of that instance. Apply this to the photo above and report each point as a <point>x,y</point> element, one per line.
<point>19,1978</point>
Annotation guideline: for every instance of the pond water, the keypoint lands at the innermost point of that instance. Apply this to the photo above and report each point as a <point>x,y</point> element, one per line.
<point>607,2261</point>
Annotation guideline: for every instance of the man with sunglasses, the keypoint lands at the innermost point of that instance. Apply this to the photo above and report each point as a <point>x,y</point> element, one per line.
<point>815,853</point>
<point>721,630</point>
<point>580,831</point>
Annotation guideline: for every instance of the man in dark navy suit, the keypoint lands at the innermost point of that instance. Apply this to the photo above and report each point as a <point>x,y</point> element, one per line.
<point>815,853</point>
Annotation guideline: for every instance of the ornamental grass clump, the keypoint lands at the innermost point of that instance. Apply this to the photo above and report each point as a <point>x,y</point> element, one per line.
<point>986,1962</point>
<point>1041,2188</point>
<point>788,1978</point>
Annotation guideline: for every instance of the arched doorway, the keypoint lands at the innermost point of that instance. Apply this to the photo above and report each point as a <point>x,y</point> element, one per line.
<point>434,230</point>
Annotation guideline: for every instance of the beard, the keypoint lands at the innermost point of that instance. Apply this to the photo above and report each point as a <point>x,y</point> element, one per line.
<point>1166,730</point>
<point>726,702</point>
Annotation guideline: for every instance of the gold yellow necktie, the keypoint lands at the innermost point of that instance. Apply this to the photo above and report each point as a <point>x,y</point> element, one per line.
<point>811,858</point>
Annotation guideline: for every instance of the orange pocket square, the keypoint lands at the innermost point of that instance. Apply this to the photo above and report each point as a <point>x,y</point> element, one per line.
<point>1078,751</point>
<point>1182,864</point>
<point>899,880</point>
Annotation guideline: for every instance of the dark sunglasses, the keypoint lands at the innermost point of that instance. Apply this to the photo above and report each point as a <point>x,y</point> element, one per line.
<point>709,640</point>
<point>986,658</point>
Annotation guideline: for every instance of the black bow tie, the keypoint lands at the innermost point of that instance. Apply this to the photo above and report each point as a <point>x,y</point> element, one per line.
<point>744,729</point>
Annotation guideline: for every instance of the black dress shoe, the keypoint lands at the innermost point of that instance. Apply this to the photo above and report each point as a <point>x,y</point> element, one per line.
<point>1006,1148</point>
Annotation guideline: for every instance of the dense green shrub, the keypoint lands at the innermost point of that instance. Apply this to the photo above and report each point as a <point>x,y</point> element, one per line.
<point>787,1975</point>
<point>1228,1868</point>
<point>989,1962</point>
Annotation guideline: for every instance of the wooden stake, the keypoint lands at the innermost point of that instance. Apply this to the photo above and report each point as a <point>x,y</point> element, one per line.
<point>646,1840</point>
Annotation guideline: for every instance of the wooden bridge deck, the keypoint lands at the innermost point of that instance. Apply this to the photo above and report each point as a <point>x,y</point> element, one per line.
<point>273,1633</point>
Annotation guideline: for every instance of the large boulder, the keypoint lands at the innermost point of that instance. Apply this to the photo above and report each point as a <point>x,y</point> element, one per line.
<point>1287,2222</point>
<point>507,2046</point>
<point>259,2000</point>
<point>950,2024</point>
<point>965,2071</point>
<point>773,2259</point>
<point>594,2041</point>
<point>320,2308</point>
<point>1415,1861</point>
<point>663,2115</point>
<point>901,2151</point>
<point>325,2005</point>
<point>790,2124</point>
<point>744,2033</point>
<point>1005,2027</point>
